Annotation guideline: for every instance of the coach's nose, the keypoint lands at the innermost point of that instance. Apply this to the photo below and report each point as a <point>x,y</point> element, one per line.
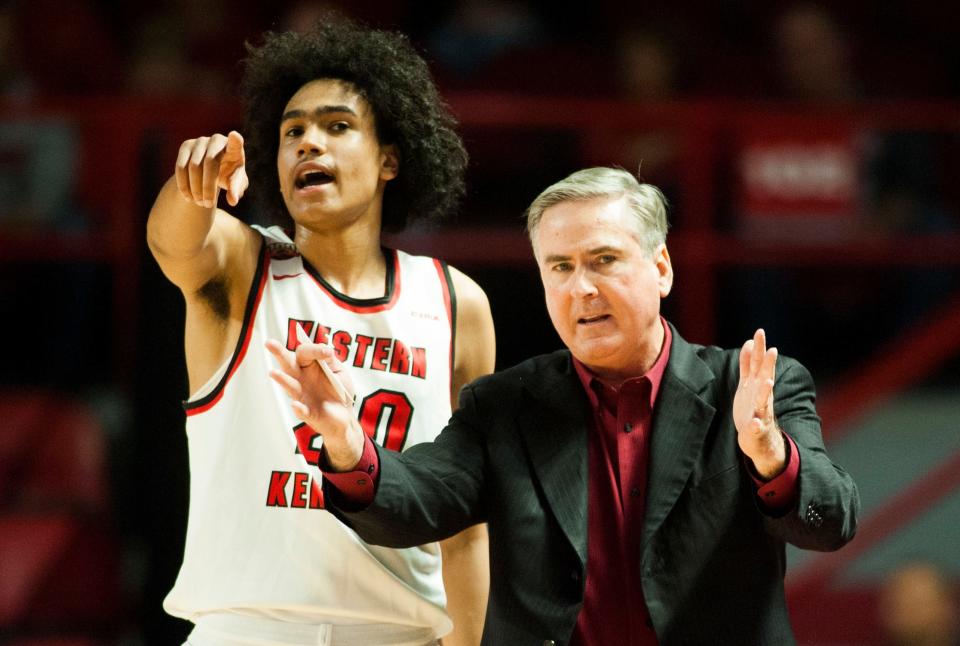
<point>584,285</point>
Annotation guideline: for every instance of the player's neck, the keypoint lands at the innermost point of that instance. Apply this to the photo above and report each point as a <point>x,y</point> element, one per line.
<point>349,259</point>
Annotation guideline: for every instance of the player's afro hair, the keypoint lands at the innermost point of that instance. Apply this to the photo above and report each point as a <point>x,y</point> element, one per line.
<point>388,73</point>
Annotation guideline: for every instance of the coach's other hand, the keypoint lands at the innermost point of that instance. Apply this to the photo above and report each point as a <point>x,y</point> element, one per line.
<point>759,436</point>
<point>316,401</point>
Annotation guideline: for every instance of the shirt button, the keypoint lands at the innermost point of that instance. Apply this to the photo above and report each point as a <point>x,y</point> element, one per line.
<point>370,469</point>
<point>627,427</point>
<point>635,492</point>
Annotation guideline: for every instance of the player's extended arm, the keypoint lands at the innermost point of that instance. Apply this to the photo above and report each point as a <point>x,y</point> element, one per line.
<point>466,558</point>
<point>210,255</point>
<point>191,239</point>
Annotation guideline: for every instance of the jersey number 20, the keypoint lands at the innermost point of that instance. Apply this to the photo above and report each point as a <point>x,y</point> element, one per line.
<point>385,416</point>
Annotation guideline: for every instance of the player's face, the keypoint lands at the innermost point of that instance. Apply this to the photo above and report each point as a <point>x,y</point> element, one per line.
<point>602,289</point>
<point>332,167</point>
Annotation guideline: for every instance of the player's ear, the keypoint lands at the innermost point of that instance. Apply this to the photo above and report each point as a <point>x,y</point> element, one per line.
<point>389,162</point>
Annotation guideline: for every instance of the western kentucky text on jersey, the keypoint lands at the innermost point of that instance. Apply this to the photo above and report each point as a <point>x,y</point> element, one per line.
<point>362,351</point>
<point>303,492</point>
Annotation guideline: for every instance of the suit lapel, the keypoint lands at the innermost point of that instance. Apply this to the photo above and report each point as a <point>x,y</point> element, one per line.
<point>554,429</point>
<point>682,417</point>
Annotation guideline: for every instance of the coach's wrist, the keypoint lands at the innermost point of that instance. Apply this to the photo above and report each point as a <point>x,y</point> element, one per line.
<point>344,452</point>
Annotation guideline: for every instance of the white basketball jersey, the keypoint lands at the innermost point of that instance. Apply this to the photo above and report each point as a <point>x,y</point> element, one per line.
<point>258,540</point>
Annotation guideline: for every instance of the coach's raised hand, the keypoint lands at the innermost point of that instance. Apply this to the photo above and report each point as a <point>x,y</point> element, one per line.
<point>207,164</point>
<point>759,436</point>
<point>317,401</point>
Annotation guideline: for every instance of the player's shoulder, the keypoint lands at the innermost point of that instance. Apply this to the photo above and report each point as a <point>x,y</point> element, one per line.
<point>470,297</point>
<point>277,242</point>
<point>469,293</point>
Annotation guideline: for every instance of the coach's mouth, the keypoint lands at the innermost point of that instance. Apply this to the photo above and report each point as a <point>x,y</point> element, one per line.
<point>590,320</point>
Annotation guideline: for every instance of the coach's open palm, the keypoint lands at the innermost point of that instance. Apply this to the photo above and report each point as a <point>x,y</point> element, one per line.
<point>319,400</point>
<point>759,436</point>
<point>207,164</point>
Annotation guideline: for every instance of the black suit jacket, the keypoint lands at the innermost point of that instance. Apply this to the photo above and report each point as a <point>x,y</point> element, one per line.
<point>514,455</point>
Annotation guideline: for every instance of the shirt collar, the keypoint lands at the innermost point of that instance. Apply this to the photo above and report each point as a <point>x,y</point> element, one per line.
<point>591,384</point>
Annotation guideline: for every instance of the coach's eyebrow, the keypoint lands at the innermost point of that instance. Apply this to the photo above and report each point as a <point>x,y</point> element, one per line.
<point>322,110</point>
<point>596,251</point>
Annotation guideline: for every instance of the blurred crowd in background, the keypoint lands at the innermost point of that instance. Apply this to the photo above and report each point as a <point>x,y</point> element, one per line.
<point>836,52</point>
<point>831,58</point>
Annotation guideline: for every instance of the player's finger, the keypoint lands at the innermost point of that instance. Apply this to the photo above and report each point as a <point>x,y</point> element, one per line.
<point>195,168</point>
<point>211,169</point>
<point>234,148</point>
<point>232,161</point>
<point>237,186</point>
<point>181,172</point>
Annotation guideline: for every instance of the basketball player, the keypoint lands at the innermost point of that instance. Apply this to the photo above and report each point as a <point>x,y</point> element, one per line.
<point>345,135</point>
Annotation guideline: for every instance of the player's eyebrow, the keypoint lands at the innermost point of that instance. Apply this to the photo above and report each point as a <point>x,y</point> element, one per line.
<point>319,112</point>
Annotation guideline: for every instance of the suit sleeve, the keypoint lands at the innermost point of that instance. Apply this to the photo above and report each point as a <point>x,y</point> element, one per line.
<point>825,517</point>
<point>429,492</point>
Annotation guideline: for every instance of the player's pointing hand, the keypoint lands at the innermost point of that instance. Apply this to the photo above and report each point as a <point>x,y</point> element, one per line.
<point>207,164</point>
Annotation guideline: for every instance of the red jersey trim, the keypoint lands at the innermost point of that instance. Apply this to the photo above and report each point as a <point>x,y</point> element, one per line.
<point>364,305</point>
<point>253,302</point>
<point>450,303</point>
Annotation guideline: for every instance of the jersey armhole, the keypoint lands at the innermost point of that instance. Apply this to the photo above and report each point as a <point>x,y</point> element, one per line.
<point>208,400</point>
<point>450,303</point>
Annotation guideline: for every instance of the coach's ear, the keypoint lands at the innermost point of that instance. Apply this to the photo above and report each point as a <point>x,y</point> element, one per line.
<point>389,162</point>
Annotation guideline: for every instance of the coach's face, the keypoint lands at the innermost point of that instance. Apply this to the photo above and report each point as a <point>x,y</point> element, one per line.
<point>602,288</point>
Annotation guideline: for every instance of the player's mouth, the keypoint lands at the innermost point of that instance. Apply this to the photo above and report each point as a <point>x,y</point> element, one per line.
<point>312,175</point>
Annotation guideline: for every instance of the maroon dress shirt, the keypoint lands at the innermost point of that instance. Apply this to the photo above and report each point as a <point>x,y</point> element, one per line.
<point>614,610</point>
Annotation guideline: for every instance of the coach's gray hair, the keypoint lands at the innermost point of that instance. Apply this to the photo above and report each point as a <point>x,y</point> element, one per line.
<point>646,201</point>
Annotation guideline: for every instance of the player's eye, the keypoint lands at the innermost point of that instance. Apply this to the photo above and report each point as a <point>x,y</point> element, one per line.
<point>339,126</point>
